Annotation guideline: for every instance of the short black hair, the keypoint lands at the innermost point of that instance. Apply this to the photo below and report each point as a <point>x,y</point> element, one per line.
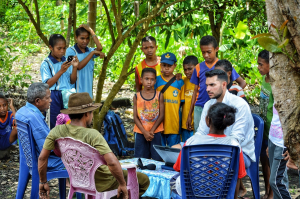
<point>81,30</point>
<point>264,54</point>
<point>149,38</point>
<point>148,70</point>
<point>191,59</point>
<point>221,115</point>
<point>208,40</point>
<point>225,64</point>
<point>222,75</point>
<point>54,38</point>
<point>3,97</point>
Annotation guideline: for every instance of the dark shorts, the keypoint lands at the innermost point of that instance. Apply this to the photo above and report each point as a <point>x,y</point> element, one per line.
<point>264,147</point>
<point>4,141</point>
<point>170,139</point>
<point>145,149</point>
<point>55,107</point>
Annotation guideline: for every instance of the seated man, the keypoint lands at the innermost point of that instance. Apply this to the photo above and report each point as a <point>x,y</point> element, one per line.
<point>38,102</point>
<point>107,177</point>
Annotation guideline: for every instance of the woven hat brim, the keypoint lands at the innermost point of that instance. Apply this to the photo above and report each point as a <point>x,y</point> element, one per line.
<point>84,110</point>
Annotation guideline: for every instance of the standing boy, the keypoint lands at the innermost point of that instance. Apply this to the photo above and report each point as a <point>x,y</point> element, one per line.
<point>209,48</point>
<point>266,113</point>
<point>149,48</point>
<point>172,98</point>
<point>189,64</point>
<point>148,112</point>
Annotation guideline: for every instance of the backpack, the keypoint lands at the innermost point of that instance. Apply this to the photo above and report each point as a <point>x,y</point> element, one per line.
<point>115,135</point>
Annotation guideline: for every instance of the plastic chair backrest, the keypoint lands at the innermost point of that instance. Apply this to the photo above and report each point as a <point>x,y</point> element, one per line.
<point>258,134</point>
<point>209,171</point>
<point>81,161</point>
<point>25,138</point>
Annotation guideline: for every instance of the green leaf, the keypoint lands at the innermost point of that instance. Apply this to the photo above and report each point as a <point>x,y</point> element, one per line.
<point>167,40</point>
<point>285,31</point>
<point>269,44</point>
<point>225,47</point>
<point>284,43</point>
<point>176,37</point>
<point>240,30</point>
<point>263,35</point>
<point>83,11</point>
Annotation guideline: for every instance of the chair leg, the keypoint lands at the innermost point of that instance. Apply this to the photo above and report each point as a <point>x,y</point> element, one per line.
<point>71,193</point>
<point>35,179</point>
<point>62,187</point>
<point>22,182</point>
<point>78,195</point>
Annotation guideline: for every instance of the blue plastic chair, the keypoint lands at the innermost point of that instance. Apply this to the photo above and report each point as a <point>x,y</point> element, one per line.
<point>253,170</point>
<point>29,166</point>
<point>209,171</point>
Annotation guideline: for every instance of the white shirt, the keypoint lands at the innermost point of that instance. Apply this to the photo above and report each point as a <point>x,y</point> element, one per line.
<point>243,127</point>
<point>276,133</point>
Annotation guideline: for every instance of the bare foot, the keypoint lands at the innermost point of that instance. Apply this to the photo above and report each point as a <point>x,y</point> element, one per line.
<point>242,191</point>
<point>265,196</point>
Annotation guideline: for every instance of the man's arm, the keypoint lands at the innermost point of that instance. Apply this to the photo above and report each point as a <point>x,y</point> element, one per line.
<point>241,82</point>
<point>44,189</point>
<point>189,119</point>
<point>116,170</point>
<point>240,126</point>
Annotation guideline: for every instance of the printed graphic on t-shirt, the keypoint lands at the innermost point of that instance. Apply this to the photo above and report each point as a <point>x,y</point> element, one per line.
<point>264,101</point>
<point>149,114</point>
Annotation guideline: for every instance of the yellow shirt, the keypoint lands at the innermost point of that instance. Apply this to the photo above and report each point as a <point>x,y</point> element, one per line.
<point>188,90</point>
<point>172,99</point>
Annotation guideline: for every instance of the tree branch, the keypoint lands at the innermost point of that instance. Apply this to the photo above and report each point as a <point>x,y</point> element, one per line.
<point>38,21</point>
<point>177,18</point>
<point>167,6</point>
<point>119,10</point>
<point>111,30</point>
<point>36,26</point>
<point>118,20</point>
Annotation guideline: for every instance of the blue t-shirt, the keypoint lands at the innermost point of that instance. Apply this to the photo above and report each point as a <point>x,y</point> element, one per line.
<point>198,78</point>
<point>50,66</point>
<point>6,124</point>
<point>85,76</point>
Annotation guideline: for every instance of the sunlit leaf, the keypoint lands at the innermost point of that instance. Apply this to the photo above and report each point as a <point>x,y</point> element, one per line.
<point>240,30</point>
<point>284,43</point>
<point>225,47</point>
<point>263,35</point>
<point>269,44</point>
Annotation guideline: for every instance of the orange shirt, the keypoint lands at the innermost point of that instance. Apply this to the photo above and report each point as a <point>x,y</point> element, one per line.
<point>148,112</point>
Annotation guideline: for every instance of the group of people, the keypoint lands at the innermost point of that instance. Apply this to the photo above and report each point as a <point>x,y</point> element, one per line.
<point>207,105</point>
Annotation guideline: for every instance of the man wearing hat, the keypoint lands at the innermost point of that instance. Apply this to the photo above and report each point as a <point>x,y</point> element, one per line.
<point>107,177</point>
<point>172,98</point>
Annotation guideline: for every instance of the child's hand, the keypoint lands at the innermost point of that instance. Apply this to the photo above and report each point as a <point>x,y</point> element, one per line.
<point>11,103</point>
<point>178,76</point>
<point>189,123</point>
<point>87,28</point>
<point>148,136</point>
<point>65,66</point>
<point>75,62</point>
<point>99,53</point>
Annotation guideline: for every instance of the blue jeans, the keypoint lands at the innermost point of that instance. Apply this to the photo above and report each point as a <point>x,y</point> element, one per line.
<point>278,178</point>
<point>197,117</point>
<point>145,149</point>
<point>186,134</point>
<point>170,139</point>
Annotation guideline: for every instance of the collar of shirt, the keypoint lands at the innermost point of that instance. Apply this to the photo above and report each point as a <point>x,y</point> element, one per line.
<point>79,51</point>
<point>35,109</point>
<point>54,61</point>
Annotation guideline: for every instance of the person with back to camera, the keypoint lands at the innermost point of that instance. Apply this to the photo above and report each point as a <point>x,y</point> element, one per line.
<point>86,56</point>
<point>148,112</point>
<point>219,117</point>
<point>57,72</point>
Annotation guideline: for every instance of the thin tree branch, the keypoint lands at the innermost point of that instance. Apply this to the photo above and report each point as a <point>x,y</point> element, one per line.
<point>167,6</point>
<point>36,26</point>
<point>111,30</point>
<point>177,18</point>
<point>118,20</point>
<point>37,14</point>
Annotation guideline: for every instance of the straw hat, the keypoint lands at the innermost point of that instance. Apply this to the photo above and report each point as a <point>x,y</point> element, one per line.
<point>80,103</point>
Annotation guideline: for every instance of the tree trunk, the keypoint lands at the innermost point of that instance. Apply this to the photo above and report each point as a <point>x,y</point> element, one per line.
<point>74,20</point>
<point>92,15</point>
<point>285,80</point>
<point>62,24</point>
<point>70,20</point>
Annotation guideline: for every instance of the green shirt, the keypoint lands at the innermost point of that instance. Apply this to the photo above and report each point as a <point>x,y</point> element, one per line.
<point>266,106</point>
<point>103,177</point>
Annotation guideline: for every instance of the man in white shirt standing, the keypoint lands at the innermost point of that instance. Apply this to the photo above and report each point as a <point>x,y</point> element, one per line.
<point>243,127</point>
